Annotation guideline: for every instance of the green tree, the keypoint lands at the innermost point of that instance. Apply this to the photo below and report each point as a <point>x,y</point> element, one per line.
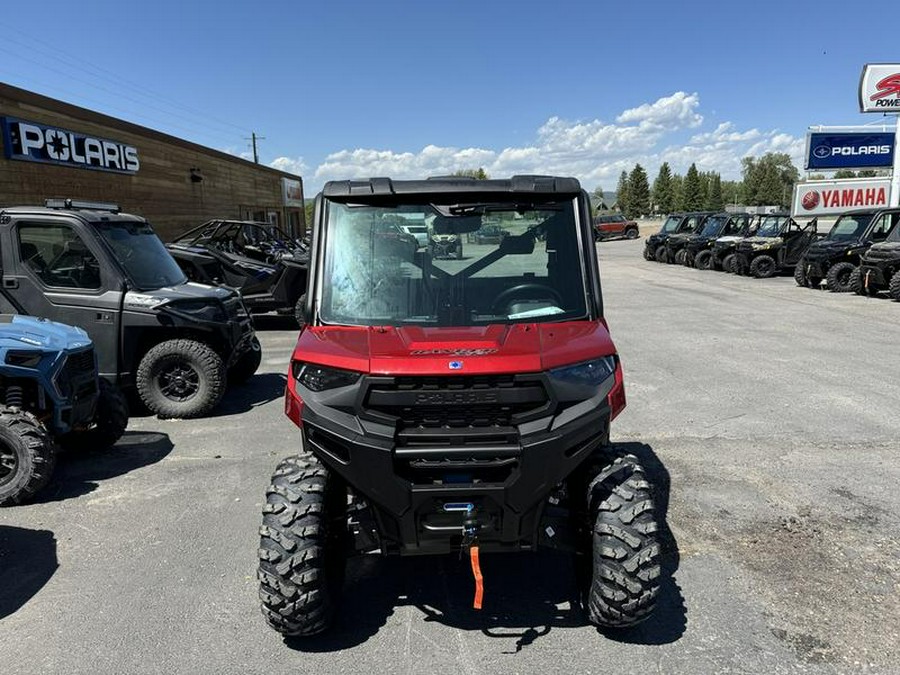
<point>478,174</point>
<point>715,201</point>
<point>731,191</point>
<point>663,190</point>
<point>844,173</point>
<point>638,193</point>
<point>308,207</point>
<point>770,190</point>
<point>622,191</point>
<point>678,192</point>
<point>761,176</point>
<point>866,173</point>
<point>694,196</point>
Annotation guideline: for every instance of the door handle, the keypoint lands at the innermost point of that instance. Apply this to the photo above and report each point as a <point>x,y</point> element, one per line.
<point>10,282</point>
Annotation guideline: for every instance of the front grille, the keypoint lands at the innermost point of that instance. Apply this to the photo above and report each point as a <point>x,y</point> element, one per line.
<point>477,402</point>
<point>78,378</point>
<point>80,362</point>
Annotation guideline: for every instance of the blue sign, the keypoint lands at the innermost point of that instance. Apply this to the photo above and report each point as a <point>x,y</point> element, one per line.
<point>849,150</point>
<point>34,142</point>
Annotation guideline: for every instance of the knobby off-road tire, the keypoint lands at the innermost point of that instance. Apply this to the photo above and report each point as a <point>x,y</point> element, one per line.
<point>728,263</point>
<point>763,267</point>
<point>648,254</point>
<point>856,282</point>
<point>632,233</point>
<point>300,311</point>
<point>703,260</point>
<point>800,274</point>
<point>27,456</point>
<point>181,379</point>
<point>661,254</point>
<point>302,547</point>
<point>626,554</point>
<point>109,423</point>
<point>248,363</point>
<point>680,257</point>
<point>839,279</point>
<point>894,287</point>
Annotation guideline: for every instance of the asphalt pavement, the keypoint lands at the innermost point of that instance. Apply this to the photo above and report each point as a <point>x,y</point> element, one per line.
<point>766,414</point>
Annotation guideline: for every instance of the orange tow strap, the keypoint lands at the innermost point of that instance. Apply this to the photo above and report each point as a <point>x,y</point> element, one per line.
<point>479,580</point>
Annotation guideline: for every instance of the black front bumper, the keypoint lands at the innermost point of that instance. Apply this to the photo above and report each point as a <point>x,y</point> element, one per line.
<point>439,471</point>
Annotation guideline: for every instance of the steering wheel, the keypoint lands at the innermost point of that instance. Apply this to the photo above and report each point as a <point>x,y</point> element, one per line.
<point>539,290</point>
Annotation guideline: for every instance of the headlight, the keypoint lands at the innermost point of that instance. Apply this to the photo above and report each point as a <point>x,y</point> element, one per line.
<point>320,378</point>
<point>592,373</point>
<point>24,359</point>
<point>202,310</point>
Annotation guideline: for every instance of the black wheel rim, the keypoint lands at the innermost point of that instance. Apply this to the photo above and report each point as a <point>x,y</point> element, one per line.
<point>9,464</point>
<point>844,278</point>
<point>179,382</point>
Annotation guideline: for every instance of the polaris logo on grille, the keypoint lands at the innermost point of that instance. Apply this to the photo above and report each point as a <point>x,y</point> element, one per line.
<point>455,397</point>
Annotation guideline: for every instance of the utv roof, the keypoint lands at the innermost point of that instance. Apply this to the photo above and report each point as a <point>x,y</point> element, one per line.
<point>517,185</point>
<point>87,211</point>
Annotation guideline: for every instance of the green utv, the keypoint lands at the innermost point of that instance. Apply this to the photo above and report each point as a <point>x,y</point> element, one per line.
<point>837,257</point>
<point>879,265</point>
<point>777,246</point>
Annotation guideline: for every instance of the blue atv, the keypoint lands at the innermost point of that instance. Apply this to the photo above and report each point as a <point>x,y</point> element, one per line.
<point>50,396</point>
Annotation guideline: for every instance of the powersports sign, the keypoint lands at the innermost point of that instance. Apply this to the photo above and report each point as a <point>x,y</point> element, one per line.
<point>32,142</point>
<point>831,197</point>
<point>849,150</point>
<point>879,88</point>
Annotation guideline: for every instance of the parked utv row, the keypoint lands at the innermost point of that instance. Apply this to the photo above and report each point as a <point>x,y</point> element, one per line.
<point>861,252</point>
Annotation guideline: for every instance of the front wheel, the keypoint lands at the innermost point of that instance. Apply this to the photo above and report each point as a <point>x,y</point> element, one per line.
<point>302,547</point>
<point>800,275</point>
<point>729,264</point>
<point>839,279</point>
<point>181,379</point>
<point>703,260</point>
<point>894,287</point>
<point>625,551</point>
<point>680,257</point>
<point>648,254</point>
<point>763,266</point>
<point>662,255</point>
<point>109,422</point>
<point>27,456</point>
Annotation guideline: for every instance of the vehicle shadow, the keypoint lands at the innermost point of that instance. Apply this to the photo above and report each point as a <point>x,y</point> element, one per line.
<point>526,596</point>
<point>79,473</point>
<point>260,389</point>
<point>27,562</point>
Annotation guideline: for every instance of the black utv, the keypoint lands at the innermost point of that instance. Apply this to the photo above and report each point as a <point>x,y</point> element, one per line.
<point>695,250</point>
<point>836,258</point>
<point>266,265</point>
<point>777,246</point>
<point>677,223</point>
<point>879,265</point>
<point>88,265</point>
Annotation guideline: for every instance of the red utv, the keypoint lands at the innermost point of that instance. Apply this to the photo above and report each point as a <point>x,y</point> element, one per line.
<point>614,225</point>
<point>455,406</point>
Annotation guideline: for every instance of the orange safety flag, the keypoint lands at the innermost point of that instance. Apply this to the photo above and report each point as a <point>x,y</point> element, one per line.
<point>479,581</point>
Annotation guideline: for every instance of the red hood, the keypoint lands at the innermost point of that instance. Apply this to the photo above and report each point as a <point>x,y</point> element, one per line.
<point>414,350</point>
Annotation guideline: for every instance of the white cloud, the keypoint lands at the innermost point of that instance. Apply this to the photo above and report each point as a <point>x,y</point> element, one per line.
<point>290,165</point>
<point>594,151</point>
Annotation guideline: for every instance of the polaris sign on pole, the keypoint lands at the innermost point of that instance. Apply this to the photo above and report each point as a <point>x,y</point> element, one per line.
<point>879,92</point>
<point>857,149</point>
<point>833,197</point>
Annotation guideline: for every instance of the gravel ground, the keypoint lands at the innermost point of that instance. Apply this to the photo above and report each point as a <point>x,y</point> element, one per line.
<point>765,413</point>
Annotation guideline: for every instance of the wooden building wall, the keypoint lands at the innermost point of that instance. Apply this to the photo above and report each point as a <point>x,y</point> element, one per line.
<point>161,190</point>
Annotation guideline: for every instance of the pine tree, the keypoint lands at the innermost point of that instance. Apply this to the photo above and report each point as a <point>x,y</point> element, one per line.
<point>622,191</point>
<point>677,193</point>
<point>693,190</point>
<point>638,193</point>
<point>663,190</point>
<point>716,201</point>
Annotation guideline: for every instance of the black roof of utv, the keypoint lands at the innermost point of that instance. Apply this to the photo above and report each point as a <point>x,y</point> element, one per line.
<point>448,185</point>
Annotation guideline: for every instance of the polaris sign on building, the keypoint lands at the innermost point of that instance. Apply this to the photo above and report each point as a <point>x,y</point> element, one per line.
<point>832,197</point>
<point>849,150</point>
<point>33,142</point>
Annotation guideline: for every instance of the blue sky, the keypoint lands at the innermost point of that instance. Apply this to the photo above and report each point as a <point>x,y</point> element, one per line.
<point>417,88</point>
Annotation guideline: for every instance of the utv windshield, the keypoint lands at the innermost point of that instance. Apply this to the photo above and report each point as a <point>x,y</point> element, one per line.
<point>135,245</point>
<point>771,226</point>
<point>713,226</point>
<point>850,227</point>
<point>671,224</point>
<point>373,276</point>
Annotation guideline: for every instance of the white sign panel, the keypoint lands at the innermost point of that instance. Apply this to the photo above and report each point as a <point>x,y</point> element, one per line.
<point>879,88</point>
<point>831,197</point>
<point>292,191</point>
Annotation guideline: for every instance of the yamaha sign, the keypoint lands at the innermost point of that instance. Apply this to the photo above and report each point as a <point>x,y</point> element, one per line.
<point>33,142</point>
<point>832,197</point>
<point>849,150</point>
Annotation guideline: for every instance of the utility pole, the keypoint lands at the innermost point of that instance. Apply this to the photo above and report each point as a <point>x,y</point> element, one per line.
<point>254,138</point>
